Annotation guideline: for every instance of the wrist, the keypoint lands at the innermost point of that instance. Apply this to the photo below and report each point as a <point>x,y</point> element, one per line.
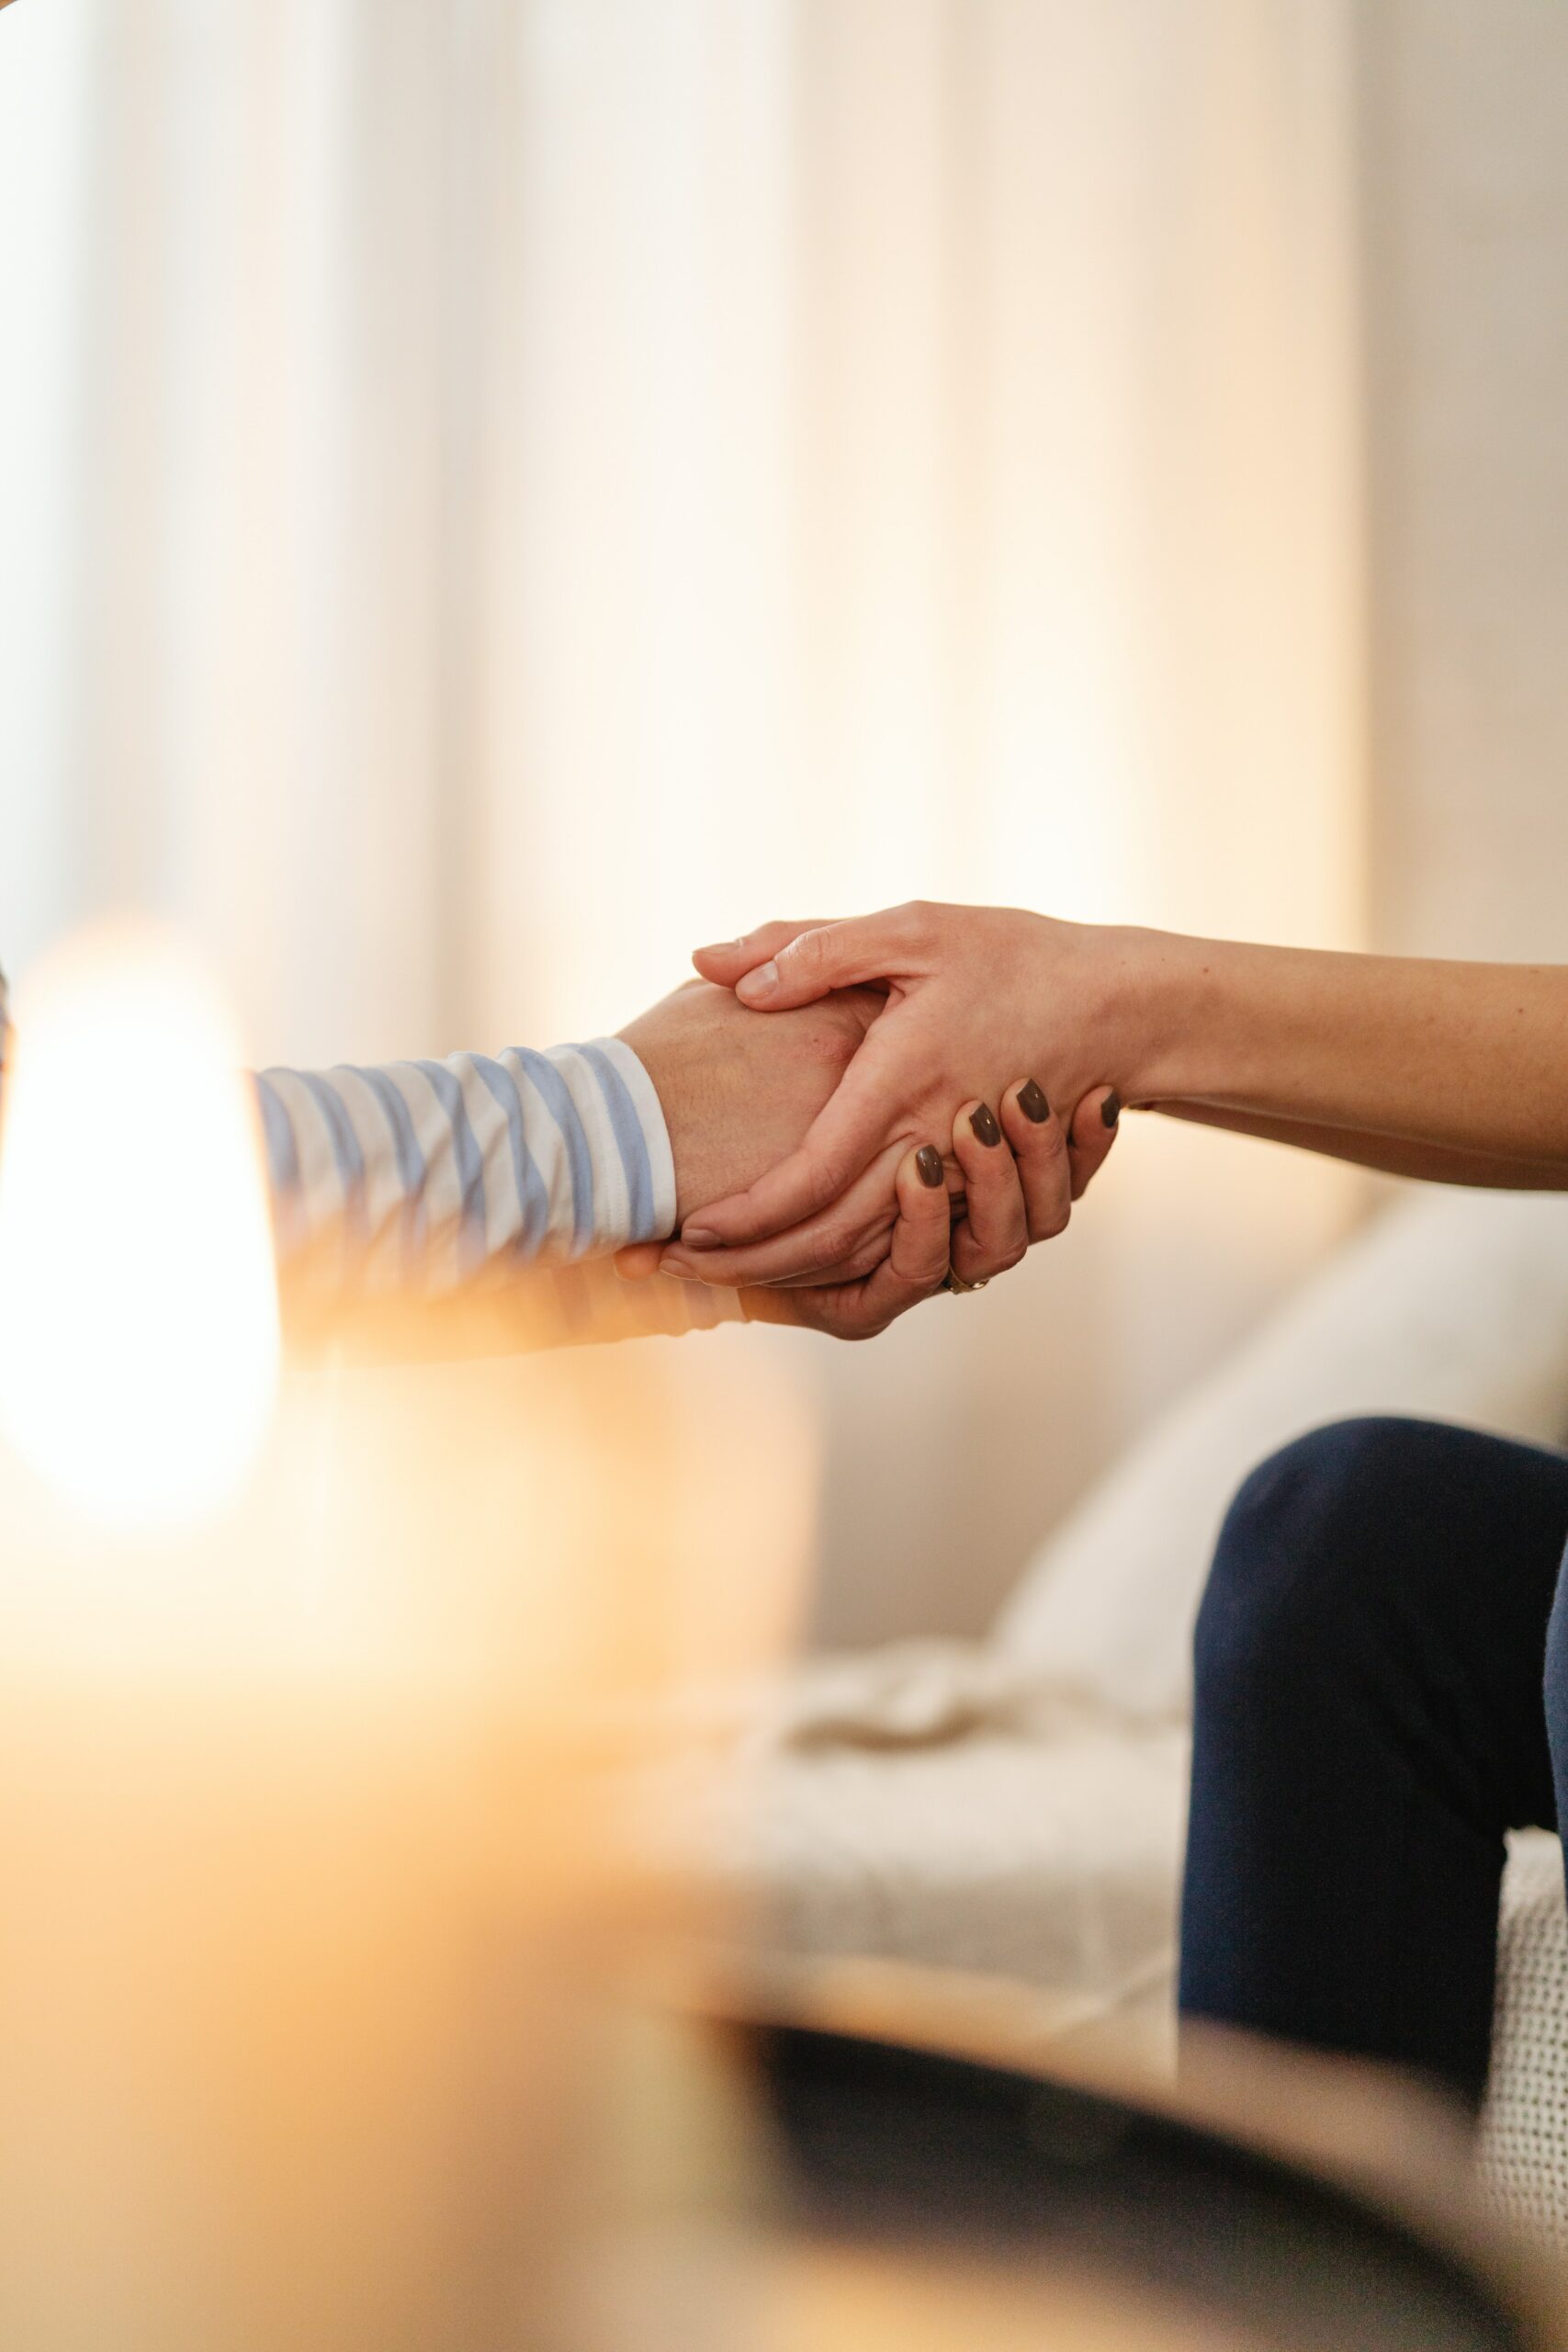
<point>1126,993</point>
<point>1159,1000</point>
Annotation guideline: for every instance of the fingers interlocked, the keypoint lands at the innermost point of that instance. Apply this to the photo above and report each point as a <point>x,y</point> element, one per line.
<point>1020,1170</point>
<point>915,1264</point>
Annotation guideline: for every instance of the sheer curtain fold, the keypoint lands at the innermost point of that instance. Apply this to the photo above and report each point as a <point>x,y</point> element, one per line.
<point>509,488</point>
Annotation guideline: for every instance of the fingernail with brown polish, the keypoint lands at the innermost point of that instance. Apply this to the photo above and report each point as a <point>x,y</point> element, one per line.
<point>983,1124</point>
<point>1110,1109</point>
<point>1032,1103</point>
<point>928,1159</point>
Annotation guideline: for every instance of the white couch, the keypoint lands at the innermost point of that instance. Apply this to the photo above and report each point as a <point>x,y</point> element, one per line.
<point>1017,1806</point>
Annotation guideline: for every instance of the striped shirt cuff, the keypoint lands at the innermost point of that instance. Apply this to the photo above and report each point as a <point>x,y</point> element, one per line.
<point>425,1175</point>
<point>633,1165</point>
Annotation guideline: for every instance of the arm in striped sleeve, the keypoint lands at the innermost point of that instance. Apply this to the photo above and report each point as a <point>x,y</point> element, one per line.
<point>492,1190</point>
<point>424,1176</point>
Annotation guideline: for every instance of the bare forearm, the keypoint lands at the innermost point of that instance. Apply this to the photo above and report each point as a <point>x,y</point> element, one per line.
<point>1457,1058</point>
<point>1453,1070</point>
<point>1389,1155</point>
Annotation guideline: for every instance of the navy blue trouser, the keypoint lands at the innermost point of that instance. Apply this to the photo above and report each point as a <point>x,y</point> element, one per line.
<point>1381,1692</point>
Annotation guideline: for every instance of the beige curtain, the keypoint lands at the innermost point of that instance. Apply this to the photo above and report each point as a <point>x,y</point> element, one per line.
<point>499,491</point>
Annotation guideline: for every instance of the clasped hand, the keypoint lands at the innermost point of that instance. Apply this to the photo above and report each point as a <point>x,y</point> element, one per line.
<point>835,1162</point>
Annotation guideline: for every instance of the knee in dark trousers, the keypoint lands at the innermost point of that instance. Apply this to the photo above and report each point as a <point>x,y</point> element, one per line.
<point>1304,1564</point>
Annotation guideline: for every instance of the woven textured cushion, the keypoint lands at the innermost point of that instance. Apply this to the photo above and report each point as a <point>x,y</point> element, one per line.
<point>1524,2137</point>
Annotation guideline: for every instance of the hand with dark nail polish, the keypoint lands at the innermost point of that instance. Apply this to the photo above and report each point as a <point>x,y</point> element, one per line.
<point>974,997</point>
<point>983,1124</point>
<point>1110,1110</point>
<point>928,1159</point>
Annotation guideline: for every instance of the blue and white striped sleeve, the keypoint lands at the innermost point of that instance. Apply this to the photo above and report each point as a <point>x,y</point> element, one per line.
<point>425,1175</point>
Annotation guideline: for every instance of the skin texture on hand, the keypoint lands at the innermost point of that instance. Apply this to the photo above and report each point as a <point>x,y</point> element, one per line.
<point>738,1090</point>
<point>973,994</point>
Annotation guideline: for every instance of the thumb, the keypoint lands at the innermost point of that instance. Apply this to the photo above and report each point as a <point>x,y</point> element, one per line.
<point>732,959</point>
<point>834,955</point>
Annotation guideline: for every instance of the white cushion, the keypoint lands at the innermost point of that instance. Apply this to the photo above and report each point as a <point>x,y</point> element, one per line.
<point>1048,1857</point>
<point>1453,1306</point>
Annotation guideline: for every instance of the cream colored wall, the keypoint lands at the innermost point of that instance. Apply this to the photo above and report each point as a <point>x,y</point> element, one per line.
<point>1464,136</point>
<point>1461,135</point>
<point>1234,443</point>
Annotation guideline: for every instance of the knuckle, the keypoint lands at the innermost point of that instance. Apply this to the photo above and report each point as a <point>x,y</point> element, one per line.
<point>917,922</point>
<point>984,1265</point>
<point>857,1322</point>
<point>830,1245</point>
<point>804,952</point>
<point>1051,1223</point>
<point>829,1181</point>
<point>860,1261</point>
<point>1045,1146</point>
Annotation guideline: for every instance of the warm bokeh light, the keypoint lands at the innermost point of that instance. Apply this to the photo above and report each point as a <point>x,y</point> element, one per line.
<point>139,1330</point>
